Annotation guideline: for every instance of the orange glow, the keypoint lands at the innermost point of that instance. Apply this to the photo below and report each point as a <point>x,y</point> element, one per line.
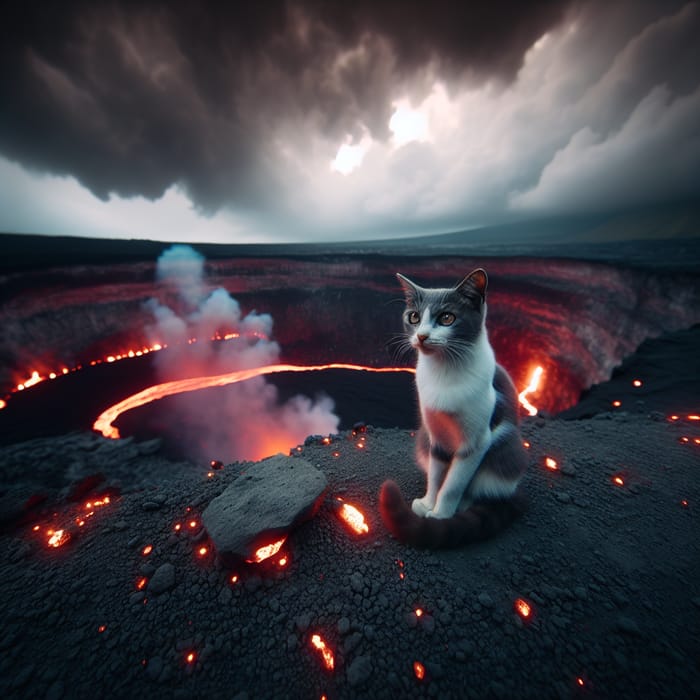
<point>191,657</point>
<point>579,680</point>
<point>418,612</point>
<point>202,551</point>
<point>147,550</point>
<point>141,583</point>
<point>693,416</point>
<point>617,404</point>
<point>684,439</point>
<point>269,550</point>
<point>326,441</point>
<point>637,382</point>
<point>3,403</point>
<point>177,527</point>
<point>326,653</point>
<point>58,538</point>
<point>529,389</point>
<point>618,480</point>
<point>551,464</point>
<point>419,670</point>
<point>684,503</point>
<point>696,441</point>
<point>522,607</point>
<point>98,503</point>
<point>673,417</point>
<point>283,561</point>
<point>234,578</point>
<point>192,524</point>
<point>104,421</point>
<point>526,444</point>
<point>36,528</point>
<point>101,628</point>
<point>353,518</point>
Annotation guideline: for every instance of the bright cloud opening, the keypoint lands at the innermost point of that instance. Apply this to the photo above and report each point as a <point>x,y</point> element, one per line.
<point>407,124</point>
<point>349,157</point>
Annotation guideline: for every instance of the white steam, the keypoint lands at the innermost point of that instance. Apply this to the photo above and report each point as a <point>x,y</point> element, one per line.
<point>241,421</point>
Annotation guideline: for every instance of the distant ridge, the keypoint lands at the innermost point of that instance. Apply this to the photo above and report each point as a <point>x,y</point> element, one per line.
<point>594,236</point>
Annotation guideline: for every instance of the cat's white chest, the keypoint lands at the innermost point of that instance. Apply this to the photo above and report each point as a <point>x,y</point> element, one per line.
<point>466,390</point>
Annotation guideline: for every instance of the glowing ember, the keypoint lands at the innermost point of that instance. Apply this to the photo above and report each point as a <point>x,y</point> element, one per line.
<point>202,551</point>
<point>283,561</point>
<point>177,527</point>
<point>58,538</point>
<point>141,583</point>
<point>637,382</point>
<point>673,417</point>
<point>101,628</point>
<point>234,578</point>
<point>694,416</point>
<point>98,503</point>
<point>526,444</point>
<point>326,653</point>
<point>3,404</point>
<point>418,612</point>
<point>551,464</point>
<point>191,658</point>
<point>269,550</point>
<point>353,518</point>
<point>104,421</point>
<point>419,670</point>
<point>579,680</point>
<point>618,480</point>
<point>192,524</point>
<point>684,503</point>
<point>529,389</point>
<point>522,607</point>
<point>617,404</point>
<point>36,528</point>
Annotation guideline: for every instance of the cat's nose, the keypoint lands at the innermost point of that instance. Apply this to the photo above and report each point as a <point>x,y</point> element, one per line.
<point>422,337</point>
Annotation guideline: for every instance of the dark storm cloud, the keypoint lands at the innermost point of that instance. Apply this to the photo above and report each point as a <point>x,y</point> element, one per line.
<point>131,98</point>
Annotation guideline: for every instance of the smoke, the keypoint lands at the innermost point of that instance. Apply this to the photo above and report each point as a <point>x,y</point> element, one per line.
<point>206,333</point>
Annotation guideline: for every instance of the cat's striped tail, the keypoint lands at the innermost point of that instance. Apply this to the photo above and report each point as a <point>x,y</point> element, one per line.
<point>482,521</point>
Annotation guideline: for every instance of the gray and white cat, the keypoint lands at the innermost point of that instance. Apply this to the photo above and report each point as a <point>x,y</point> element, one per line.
<point>469,443</point>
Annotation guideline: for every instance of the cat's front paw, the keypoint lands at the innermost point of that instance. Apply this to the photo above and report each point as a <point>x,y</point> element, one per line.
<point>421,506</point>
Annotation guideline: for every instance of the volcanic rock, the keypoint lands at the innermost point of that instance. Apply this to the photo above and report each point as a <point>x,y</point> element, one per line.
<point>261,508</point>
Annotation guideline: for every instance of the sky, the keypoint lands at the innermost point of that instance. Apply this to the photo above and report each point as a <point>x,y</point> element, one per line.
<point>317,121</point>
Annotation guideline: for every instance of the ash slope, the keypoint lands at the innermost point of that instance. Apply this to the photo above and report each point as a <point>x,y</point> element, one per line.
<point>611,573</point>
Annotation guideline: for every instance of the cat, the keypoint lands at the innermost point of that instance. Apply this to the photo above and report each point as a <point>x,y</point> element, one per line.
<point>469,443</point>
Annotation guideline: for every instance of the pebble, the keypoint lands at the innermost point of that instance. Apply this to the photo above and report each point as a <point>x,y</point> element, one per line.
<point>163,579</point>
<point>485,599</point>
<point>343,626</point>
<point>628,626</point>
<point>359,670</point>
<point>563,497</point>
<point>357,582</point>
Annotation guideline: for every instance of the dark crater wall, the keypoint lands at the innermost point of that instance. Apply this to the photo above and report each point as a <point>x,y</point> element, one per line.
<point>577,319</point>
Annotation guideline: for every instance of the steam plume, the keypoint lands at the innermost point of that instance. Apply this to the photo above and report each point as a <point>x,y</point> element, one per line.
<point>243,421</point>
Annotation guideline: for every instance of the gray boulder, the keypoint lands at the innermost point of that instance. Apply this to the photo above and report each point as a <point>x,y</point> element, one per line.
<point>262,506</point>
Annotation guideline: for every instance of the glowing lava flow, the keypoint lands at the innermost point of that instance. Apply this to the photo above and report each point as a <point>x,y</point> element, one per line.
<point>103,424</point>
<point>353,518</point>
<point>326,653</point>
<point>532,386</point>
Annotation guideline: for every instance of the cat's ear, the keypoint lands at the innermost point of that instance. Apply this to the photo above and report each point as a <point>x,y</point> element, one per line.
<point>410,288</point>
<point>475,281</point>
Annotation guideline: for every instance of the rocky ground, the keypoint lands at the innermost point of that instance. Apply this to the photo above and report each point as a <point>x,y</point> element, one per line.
<point>607,558</point>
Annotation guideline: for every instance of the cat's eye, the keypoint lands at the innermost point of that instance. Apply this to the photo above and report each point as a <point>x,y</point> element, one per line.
<point>413,317</point>
<point>446,318</point>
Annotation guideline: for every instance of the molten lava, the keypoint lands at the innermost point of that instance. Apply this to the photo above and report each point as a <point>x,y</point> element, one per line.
<point>353,518</point>
<point>419,670</point>
<point>267,551</point>
<point>529,389</point>
<point>326,653</point>
<point>104,422</point>
<point>58,538</point>
<point>522,607</point>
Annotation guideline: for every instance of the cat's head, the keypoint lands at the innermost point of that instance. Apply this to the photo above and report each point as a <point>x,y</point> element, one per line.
<point>445,322</point>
